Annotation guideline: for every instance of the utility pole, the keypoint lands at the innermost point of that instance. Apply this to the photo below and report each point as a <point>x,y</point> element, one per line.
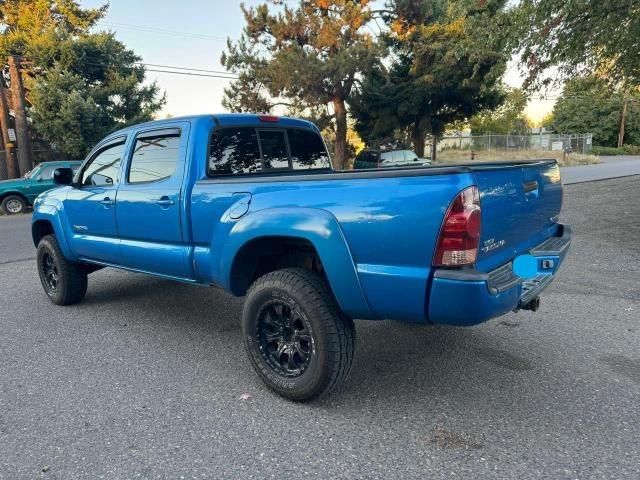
<point>3,163</point>
<point>12,165</point>
<point>623,118</point>
<point>20,114</point>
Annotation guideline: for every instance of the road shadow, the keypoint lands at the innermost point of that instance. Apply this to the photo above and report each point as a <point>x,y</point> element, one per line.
<point>157,300</point>
<point>394,361</point>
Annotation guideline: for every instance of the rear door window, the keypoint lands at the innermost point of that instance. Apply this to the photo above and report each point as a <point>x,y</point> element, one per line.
<point>386,158</point>
<point>154,157</point>
<point>398,156</point>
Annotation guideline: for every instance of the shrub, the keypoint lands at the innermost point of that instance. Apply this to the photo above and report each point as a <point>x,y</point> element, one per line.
<point>625,150</point>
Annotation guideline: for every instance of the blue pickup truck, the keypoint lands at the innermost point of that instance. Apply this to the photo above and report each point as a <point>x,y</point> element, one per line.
<point>250,203</point>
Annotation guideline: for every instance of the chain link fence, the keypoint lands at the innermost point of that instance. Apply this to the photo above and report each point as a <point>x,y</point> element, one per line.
<point>541,142</point>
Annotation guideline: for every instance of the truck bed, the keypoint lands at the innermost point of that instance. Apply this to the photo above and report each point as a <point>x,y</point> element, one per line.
<point>390,220</point>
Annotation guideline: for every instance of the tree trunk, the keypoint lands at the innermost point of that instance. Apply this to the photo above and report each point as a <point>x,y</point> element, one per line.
<point>434,145</point>
<point>623,119</point>
<point>341,133</point>
<point>20,112</point>
<point>418,140</point>
<point>3,163</point>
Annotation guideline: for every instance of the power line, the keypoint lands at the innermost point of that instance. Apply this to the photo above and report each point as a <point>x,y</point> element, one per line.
<point>163,31</point>
<point>194,72</point>
<point>208,73</point>
<point>186,68</point>
<point>191,74</point>
<point>160,68</point>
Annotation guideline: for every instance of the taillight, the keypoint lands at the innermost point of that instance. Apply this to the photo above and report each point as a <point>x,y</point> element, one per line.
<point>460,231</point>
<point>268,118</point>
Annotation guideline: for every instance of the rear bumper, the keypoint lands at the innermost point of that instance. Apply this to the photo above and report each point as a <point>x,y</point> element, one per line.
<point>469,297</point>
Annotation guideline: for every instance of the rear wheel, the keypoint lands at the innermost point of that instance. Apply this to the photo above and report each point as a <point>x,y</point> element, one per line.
<point>298,341</point>
<point>14,204</point>
<point>64,282</point>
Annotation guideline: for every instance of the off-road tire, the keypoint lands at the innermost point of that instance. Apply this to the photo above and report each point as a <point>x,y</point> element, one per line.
<point>333,334</point>
<point>71,278</point>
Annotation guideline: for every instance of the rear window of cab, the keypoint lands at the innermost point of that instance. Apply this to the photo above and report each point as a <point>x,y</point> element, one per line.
<point>246,150</point>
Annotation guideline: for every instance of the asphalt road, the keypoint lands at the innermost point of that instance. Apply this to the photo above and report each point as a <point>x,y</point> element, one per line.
<point>15,239</point>
<point>610,167</point>
<point>145,379</point>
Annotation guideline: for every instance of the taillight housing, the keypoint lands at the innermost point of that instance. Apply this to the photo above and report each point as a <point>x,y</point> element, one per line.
<point>460,231</point>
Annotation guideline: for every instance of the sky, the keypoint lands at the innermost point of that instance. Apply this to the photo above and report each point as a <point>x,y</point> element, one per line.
<point>193,33</point>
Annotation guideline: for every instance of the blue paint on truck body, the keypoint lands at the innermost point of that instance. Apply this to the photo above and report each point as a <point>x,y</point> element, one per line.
<point>375,232</point>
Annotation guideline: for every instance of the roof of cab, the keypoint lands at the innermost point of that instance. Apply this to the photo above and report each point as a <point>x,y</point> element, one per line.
<point>228,120</point>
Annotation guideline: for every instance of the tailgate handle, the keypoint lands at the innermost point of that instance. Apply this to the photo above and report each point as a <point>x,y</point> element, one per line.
<point>531,186</point>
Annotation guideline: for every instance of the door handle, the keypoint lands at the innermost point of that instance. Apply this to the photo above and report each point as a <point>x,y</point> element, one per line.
<point>106,201</point>
<point>165,202</point>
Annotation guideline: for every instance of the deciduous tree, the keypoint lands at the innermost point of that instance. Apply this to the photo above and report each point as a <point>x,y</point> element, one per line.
<point>590,105</point>
<point>577,38</point>
<point>507,119</point>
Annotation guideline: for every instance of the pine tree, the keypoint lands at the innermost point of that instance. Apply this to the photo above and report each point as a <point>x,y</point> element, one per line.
<point>309,55</point>
<point>448,57</point>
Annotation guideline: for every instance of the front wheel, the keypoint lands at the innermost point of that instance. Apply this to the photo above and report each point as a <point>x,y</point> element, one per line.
<point>298,341</point>
<point>64,282</point>
<point>14,204</point>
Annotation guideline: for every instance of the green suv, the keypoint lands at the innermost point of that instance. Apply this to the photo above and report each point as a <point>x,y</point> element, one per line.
<point>16,195</point>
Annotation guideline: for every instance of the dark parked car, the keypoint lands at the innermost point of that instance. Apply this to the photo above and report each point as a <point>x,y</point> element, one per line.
<point>381,158</point>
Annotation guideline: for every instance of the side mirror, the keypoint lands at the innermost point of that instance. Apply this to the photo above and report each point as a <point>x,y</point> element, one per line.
<point>63,176</point>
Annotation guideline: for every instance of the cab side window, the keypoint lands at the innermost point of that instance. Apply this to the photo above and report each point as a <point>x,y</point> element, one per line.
<point>411,156</point>
<point>47,173</point>
<point>103,168</point>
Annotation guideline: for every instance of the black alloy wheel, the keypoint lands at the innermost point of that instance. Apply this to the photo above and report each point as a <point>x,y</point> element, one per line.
<point>284,340</point>
<point>50,273</point>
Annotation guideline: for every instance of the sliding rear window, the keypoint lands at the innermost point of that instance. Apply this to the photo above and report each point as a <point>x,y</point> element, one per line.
<point>245,150</point>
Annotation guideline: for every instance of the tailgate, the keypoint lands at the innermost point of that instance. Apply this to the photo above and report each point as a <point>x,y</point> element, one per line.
<point>520,207</point>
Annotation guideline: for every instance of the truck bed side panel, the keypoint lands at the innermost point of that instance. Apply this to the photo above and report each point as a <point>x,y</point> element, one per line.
<point>390,225</point>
